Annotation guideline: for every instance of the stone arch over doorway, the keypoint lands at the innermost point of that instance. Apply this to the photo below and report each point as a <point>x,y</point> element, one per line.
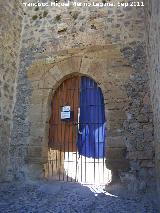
<point>46,75</point>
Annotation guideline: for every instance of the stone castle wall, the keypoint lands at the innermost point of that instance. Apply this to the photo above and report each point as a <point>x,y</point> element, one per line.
<point>153,44</point>
<point>107,44</point>
<point>11,18</point>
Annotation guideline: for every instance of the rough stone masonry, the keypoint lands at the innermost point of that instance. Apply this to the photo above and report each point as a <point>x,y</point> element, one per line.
<point>153,48</point>
<point>43,46</point>
<point>11,27</point>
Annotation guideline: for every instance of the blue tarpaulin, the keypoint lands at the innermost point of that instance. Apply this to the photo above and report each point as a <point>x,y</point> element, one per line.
<point>92,128</point>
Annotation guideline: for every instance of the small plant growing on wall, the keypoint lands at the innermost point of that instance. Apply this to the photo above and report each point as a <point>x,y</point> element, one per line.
<point>74,14</point>
<point>45,13</point>
<point>40,15</point>
<point>62,30</point>
<point>36,9</point>
<point>58,17</point>
<point>34,17</point>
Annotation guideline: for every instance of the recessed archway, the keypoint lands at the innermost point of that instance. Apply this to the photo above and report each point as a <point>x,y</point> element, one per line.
<point>45,78</point>
<point>77,133</point>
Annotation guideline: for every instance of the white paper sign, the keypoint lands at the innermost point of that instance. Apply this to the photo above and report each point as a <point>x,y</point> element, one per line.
<point>65,115</point>
<point>66,108</point>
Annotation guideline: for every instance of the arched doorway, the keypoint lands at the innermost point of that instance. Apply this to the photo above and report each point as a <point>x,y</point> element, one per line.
<point>77,133</point>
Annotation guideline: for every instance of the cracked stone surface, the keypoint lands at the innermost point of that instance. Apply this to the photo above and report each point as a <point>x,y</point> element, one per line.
<point>60,197</point>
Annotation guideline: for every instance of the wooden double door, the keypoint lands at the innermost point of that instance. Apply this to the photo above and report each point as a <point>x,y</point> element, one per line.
<point>77,132</point>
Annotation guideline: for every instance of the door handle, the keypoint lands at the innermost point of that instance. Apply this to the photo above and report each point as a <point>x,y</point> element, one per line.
<point>79,132</point>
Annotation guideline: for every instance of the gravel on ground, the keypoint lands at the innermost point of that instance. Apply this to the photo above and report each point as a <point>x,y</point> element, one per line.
<point>60,197</point>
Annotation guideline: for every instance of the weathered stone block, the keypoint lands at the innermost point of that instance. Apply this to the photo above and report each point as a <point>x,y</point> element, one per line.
<point>148,132</point>
<point>117,164</point>
<point>116,153</point>
<point>148,164</point>
<point>35,152</point>
<point>140,155</point>
<point>116,142</point>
